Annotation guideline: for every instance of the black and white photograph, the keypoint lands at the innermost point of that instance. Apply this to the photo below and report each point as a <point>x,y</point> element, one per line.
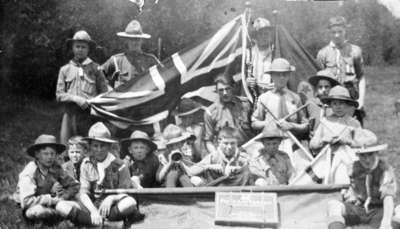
<point>181,114</point>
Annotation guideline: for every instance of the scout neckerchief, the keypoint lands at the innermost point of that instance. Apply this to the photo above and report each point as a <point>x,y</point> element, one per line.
<point>102,166</point>
<point>368,185</point>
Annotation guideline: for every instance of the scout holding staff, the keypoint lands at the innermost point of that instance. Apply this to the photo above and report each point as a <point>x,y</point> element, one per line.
<point>78,81</point>
<point>346,63</point>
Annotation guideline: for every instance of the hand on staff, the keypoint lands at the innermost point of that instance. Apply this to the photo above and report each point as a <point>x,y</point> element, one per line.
<point>216,167</point>
<point>285,125</point>
<point>105,206</point>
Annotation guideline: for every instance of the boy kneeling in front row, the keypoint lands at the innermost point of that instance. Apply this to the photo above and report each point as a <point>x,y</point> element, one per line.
<point>369,200</point>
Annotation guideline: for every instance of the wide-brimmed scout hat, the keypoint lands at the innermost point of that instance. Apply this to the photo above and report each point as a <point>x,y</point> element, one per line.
<point>174,134</point>
<point>43,141</point>
<point>82,35</point>
<point>339,93</point>
<point>280,65</point>
<point>100,132</point>
<point>325,74</point>
<point>337,21</point>
<point>134,30</point>
<point>271,133</point>
<point>261,23</point>
<point>367,142</point>
<point>187,107</point>
<point>138,135</point>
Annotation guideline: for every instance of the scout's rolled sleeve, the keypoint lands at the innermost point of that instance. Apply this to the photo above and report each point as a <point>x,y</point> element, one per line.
<point>85,178</point>
<point>388,185</point>
<point>27,193</point>
<point>259,112</point>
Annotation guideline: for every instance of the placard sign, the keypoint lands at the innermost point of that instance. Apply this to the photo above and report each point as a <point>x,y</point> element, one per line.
<point>246,209</point>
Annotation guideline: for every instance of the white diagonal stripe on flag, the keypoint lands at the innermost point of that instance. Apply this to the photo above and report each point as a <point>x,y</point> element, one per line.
<point>179,63</point>
<point>157,78</point>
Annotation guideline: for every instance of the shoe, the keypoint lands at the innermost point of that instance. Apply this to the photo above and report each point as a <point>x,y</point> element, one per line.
<point>113,224</point>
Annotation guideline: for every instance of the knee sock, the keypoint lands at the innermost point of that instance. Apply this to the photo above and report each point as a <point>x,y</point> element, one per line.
<point>336,225</point>
<point>80,217</point>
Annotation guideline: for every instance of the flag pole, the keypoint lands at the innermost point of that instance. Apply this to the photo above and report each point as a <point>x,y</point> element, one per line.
<point>245,36</point>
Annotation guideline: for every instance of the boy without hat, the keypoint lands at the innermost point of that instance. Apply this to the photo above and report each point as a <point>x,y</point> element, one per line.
<point>78,81</point>
<point>271,166</point>
<point>369,199</point>
<point>143,163</point>
<point>77,150</point>
<point>228,166</point>
<point>345,61</point>
<point>37,179</point>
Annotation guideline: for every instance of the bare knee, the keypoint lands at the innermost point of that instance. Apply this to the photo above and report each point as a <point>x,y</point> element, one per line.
<point>39,212</point>
<point>126,204</point>
<point>65,207</point>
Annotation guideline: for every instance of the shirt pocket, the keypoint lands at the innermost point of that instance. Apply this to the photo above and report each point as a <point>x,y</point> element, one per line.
<point>88,85</point>
<point>69,82</point>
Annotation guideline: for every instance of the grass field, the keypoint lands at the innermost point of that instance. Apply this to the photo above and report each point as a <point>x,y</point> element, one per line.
<point>23,119</point>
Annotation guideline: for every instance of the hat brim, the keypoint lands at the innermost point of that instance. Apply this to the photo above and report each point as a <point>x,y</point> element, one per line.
<point>291,69</point>
<point>125,145</point>
<point>127,35</point>
<point>270,137</point>
<point>371,149</point>
<point>59,148</point>
<point>184,137</point>
<point>329,99</point>
<point>92,44</point>
<point>126,141</point>
<point>181,114</point>
<point>106,140</point>
<point>313,80</point>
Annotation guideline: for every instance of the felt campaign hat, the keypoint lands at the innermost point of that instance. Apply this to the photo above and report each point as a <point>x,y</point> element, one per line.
<point>337,21</point>
<point>138,135</point>
<point>134,30</point>
<point>367,142</point>
<point>174,134</point>
<point>325,74</point>
<point>99,132</point>
<point>271,133</point>
<point>186,107</point>
<point>82,35</point>
<point>339,93</point>
<point>280,65</point>
<point>45,140</point>
<point>261,23</point>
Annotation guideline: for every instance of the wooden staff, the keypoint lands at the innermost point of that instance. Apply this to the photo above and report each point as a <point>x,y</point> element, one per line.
<point>284,118</point>
<point>290,135</point>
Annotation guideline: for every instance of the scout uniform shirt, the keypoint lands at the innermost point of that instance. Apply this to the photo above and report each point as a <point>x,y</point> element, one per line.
<point>34,186</point>
<point>79,82</point>
<point>375,184</point>
<point>279,105</point>
<point>275,168</point>
<point>239,159</point>
<point>235,114</point>
<point>73,170</point>
<point>146,170</point>
<point>123,67</point>
<point>332,126</point>
<point>111,173</point>
<point>345,63</point>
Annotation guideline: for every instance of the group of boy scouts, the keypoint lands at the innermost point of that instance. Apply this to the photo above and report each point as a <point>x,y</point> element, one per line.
<point>204,148</point>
